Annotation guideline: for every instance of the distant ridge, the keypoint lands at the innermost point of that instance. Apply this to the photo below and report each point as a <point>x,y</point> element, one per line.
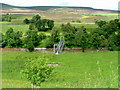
<point>6,6</point>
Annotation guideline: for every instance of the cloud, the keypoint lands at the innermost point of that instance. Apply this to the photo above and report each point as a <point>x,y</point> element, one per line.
<point>101,4</point>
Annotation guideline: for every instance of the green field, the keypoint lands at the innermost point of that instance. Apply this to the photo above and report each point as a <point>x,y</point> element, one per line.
<point>76,70</point>
<point>86,20</point>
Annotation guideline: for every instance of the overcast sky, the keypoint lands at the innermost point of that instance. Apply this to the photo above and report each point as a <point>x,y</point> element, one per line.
<point>100,4</point>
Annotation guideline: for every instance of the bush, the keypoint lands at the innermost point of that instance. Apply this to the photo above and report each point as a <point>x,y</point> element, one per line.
<point>37,70</point>
<point>26,21</point>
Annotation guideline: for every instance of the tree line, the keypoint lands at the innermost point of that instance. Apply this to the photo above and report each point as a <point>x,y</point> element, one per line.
<point>106,35</point>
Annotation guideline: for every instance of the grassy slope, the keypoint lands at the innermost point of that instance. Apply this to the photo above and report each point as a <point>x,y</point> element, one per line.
<point>66,16</point>
<point>76,70</point>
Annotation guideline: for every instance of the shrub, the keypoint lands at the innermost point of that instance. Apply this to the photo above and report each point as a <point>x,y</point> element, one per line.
<point>37,70</point>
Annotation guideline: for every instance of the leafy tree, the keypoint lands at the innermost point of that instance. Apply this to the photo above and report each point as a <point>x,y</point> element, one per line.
<point>9,38</point>
<point>38,25</point>
<point>49,43</point>
<point>2,40</point>
<point>81,38</point>
<point>55,35</point>
<point>113,42</point>
<point>26,21</point>
<point>103,41</point>
<point>42,36</point>
<point>100,23</point>
<point>17,39</point>
<point>50,24</point>
<point>69,33</point>
<point>95,41</point>
<point>31,27</point>
<point>35,19</point>
<point>54,38</point>
<point>31,40</point>
<point>13,39</point>
<point>30,46</point>
<point>37,70</point>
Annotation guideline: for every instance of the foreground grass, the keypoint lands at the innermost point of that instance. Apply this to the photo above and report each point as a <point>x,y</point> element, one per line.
<point>76,70</point>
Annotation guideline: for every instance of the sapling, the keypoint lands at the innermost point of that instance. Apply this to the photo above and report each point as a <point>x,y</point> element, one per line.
<point>37,70</point>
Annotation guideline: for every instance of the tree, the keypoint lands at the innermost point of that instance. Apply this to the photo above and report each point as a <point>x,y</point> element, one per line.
<point>69,34</point>
<point>9,38</point>
<point>81,38</point>
<point>55,35</point>
<point>2,40</point>
<point>113,43</point>
<point>37,70</point>
<point>31,27</point>
<point>103,41</point>
<point>54,38</point>
<point>44,23</point>
<point>95,40</point>
<point>100,23</point>
<point>26,21</point>
<point>50,24</point>
<point>30,46</point>
<point>35,19</point>
<point>13,39</point>
<point>37,23</point>
<point>42,36</point>
<point>31,40</point>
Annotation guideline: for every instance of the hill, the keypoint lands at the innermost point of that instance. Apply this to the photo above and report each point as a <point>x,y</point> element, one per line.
<point>44,8</point>
<point>62,13</point>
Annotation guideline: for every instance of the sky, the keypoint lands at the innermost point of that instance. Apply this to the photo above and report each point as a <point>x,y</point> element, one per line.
<point>98,4</point>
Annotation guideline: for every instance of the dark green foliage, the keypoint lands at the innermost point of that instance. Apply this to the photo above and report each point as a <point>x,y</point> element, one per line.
<point>54,38</point>
<point>78,21</point>
<point>81,38</point>
<point>42,36</point>
<point>49,43</point>
<point>26,21</point>
<point>31,27</point>
<point>100,23</point>
<point>69,33</point>
<point>2,40</point>
<point>36,23</point>
<point>110,32</point>
<point>7,17</point>
<point>113,43</point>
<point>55,35</point>
<point>12,39</point>
<point>35,19</point>
<point>50,24</point>
<point>95,41</point>
<point>31,40</point>
<point>30,46</point>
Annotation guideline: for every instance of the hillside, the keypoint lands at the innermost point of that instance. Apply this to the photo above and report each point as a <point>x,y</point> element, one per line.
<point>62,14</point>
<point>44,8</point>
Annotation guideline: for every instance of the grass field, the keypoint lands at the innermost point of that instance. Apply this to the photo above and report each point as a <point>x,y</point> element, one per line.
<point>86,20</point>
<point>76,70</point>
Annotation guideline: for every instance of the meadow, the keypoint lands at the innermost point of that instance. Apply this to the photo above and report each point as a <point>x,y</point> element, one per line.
<point>76,70</point>
<point>87,20</point>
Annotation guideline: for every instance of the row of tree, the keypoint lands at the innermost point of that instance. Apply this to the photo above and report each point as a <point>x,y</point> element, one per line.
<point>37,23</point>
<point>7,17</point>
<point>16,39</point>
<point>105,36</point>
